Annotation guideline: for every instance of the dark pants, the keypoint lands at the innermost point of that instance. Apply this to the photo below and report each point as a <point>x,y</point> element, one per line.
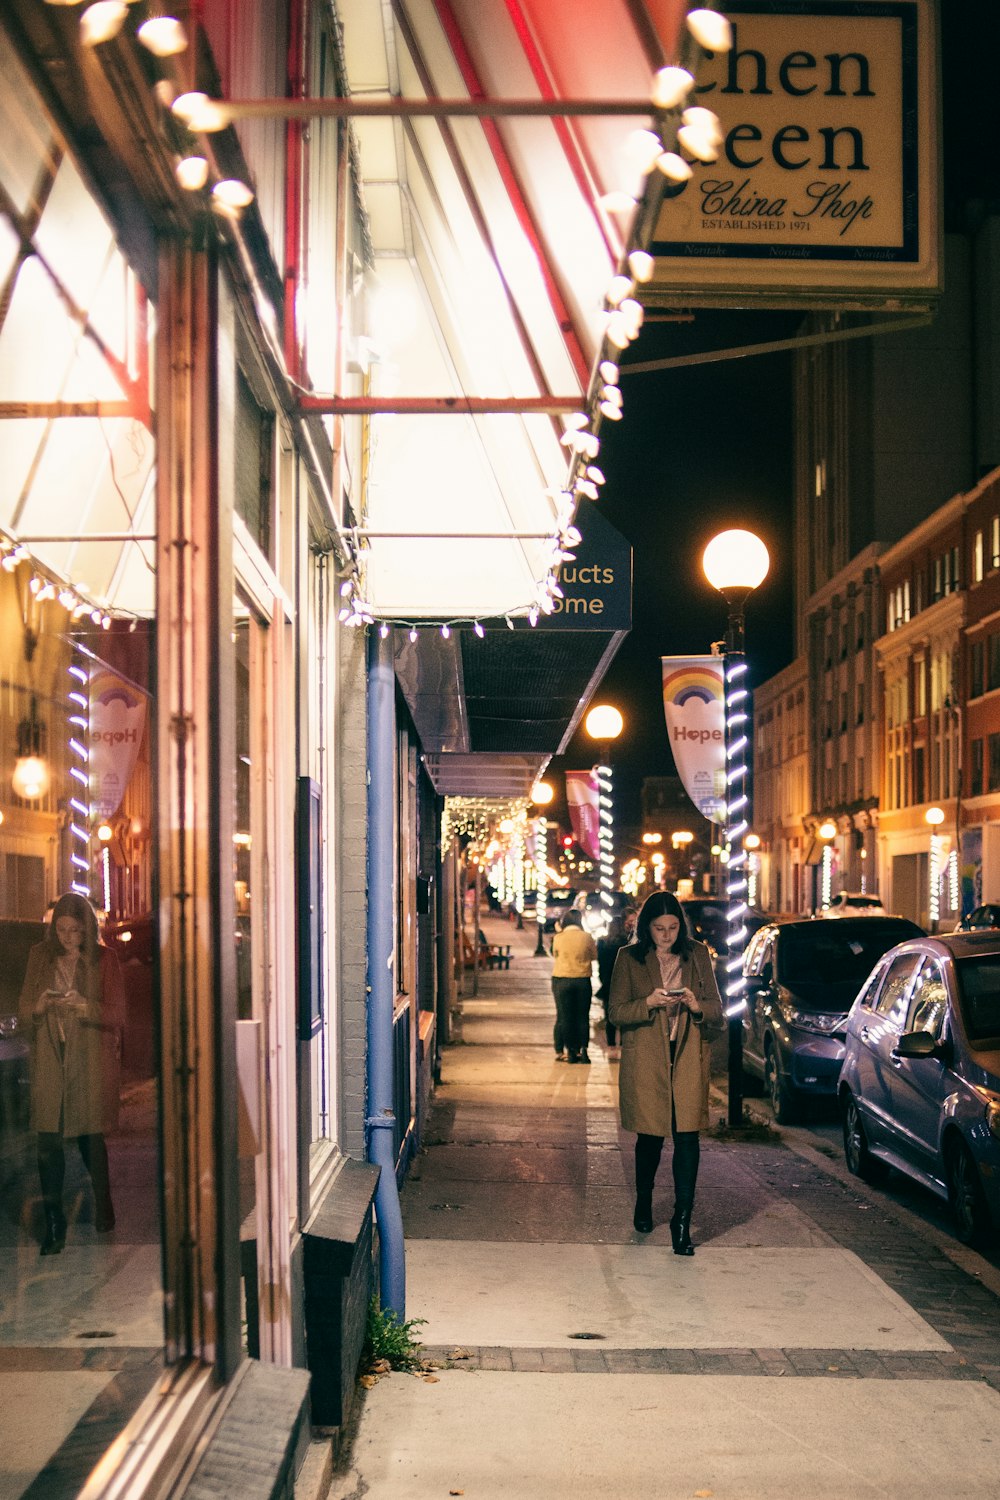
<point>572,1028</point>
<point>687,1152</point>
<point>52,1170</point>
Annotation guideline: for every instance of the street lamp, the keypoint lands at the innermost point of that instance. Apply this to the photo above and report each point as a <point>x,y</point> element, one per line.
<point>604,724</point>
<point>935,817</point>
<point>541,796</point>
<point>736,562</point>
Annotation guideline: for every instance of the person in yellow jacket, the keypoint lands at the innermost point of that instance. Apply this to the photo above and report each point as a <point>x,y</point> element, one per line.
<point>573,952</point>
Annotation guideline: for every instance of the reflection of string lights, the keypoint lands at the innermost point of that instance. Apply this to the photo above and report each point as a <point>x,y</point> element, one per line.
<point>934,816</point>
<point>78,722</point>
<point>954,891</point>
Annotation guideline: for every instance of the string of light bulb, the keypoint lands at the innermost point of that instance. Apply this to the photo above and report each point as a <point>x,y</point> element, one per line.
<point>682,133</point>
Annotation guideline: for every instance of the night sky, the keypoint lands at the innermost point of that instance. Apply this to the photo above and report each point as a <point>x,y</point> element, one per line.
<point>700,449</point>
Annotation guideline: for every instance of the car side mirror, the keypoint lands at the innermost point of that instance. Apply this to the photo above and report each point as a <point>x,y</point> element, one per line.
<point>916,1044</point>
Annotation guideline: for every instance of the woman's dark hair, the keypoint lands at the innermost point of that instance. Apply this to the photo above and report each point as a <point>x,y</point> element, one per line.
<point>659,904</point>
<point>80,909</point>
<point>572,919</point>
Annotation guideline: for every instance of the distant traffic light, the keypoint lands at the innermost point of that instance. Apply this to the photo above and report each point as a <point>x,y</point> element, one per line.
<point>567,841</point>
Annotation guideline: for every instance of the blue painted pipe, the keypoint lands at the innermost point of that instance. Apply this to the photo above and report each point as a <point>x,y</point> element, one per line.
<point>381,1121</point>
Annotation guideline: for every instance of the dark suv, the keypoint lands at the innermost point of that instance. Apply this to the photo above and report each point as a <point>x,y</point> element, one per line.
<point>802,978</point>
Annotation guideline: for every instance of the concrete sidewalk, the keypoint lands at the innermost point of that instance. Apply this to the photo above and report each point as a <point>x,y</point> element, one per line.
<point>816,1345</point>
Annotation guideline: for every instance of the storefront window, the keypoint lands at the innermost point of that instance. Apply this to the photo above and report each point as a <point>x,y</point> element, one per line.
<point>81,1298</point>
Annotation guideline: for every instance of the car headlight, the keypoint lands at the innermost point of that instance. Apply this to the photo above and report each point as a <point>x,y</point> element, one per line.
<point>992,1102</point>
<point>821,1022</point>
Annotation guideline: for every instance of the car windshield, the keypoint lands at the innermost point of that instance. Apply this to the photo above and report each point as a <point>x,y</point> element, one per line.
<point>842,953</point>
<point>861,901</point>
<point>979,986</point>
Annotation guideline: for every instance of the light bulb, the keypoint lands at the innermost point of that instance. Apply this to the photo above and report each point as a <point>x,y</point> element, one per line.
<point>164,36</point>
<point>671,87</point>
<point>199,112</point>
<point>613,413</point>
<point>192,173</point>
<point>617,202</point>
<point>445,632</point>
<point>710,30</point>
<point>383,630</point>
<point>618,332</point>
<point>642,265</point>
<point>231,195</point>
<point>643,147</point>
<point>697,144</point>
<point>479,629</point>
<point>618,287</point>
<point>594,473</point>
<point>705,120</point>
<point>674,167</point>
<point>608,371</point>
<point>102,21</point>
<point>413,634</point>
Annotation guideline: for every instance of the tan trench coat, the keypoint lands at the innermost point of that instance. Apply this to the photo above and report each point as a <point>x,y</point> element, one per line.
<point>75,1051</point>
<point>650,1090</point>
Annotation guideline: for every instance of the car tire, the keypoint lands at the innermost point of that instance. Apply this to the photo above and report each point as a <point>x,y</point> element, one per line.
<point>859,1159</point>
<point>782,1097</point>
<point>965,1196</point>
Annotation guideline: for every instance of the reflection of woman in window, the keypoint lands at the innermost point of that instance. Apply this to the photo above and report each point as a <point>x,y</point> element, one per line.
<point>72,1009</point>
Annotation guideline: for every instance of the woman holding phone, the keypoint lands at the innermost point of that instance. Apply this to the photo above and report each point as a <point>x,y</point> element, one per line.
<point>666,1002</point>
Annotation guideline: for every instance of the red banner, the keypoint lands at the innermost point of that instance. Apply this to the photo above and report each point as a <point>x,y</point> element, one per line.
<point>584,812</point>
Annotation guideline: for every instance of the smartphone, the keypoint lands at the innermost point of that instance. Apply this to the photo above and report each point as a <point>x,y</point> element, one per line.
<point>674,993</point>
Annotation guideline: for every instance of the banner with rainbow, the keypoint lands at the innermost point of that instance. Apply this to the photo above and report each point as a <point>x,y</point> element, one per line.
<point>695,713</point>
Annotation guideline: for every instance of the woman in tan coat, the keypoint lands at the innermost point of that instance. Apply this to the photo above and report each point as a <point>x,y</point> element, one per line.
<point>72,1009</point>
<point>665,1000</point>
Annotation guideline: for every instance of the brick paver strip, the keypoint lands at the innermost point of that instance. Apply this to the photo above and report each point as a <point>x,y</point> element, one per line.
<point>830,1363</point>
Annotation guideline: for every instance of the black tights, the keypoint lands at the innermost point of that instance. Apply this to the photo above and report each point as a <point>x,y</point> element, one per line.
<point>52,1167</point>
<point>687,1152</point>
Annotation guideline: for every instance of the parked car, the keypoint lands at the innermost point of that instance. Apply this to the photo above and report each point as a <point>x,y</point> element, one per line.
<point>987,915</point>
<point>801,979</point>
<point>855,904</point>
<point>920,1083</point>
<point>559,900</point>
<point>596,909</point>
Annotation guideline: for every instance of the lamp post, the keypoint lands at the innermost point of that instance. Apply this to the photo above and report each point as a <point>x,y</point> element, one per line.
<point>541,796</point>
<point>604,724</point>
<point>736,562</point>
<point>934,816</point>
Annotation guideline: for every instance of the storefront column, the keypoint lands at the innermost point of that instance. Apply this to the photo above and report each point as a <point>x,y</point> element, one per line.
<point>196,754</point>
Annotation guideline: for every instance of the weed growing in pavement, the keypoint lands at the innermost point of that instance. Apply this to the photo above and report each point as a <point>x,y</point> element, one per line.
<point>752,1128</point>
<point>389,1344</point>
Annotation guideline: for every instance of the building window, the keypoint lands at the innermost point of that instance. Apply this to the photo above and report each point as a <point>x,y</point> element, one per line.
<point>976,783</point>
<point>993,670</point>
<point>995,542</point>
<point>937,588</point>
<point>920,590</point>
<point>994,750</point>
<point>920,773</point>
<point>919,688</point>
<point>977,558</point>
<point>977,659</point>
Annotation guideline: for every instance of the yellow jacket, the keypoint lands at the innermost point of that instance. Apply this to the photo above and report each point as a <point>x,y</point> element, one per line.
<point>573,951</point>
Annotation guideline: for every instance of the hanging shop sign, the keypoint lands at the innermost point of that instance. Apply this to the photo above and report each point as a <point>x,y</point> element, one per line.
<point>825,189</point>
<point>695,714</point>
<point>597,583</point>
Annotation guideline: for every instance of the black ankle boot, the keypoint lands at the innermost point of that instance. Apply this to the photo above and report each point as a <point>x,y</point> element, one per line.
<point>55,1232</point>
<point>642,1219</point>
<point>680,1232</point>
